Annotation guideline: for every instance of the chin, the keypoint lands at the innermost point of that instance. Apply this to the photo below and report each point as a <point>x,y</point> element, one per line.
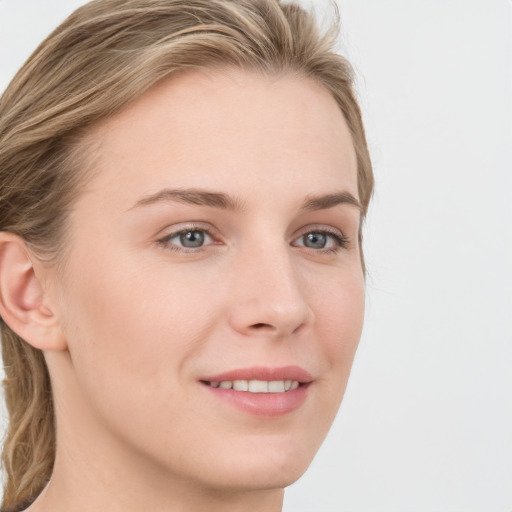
<point>271,463</point>
<point>257,477</point>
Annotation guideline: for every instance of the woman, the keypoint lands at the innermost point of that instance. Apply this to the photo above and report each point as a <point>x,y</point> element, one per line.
<point>181,277</point>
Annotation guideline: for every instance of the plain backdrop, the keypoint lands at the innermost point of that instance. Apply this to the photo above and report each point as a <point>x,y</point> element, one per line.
<point>426,423</point>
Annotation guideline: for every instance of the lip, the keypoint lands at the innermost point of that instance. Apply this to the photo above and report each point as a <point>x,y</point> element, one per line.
<point>263,373</point>
<point>265,405</point>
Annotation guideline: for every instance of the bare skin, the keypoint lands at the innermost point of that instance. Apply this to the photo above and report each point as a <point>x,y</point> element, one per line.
<point>218,233</point>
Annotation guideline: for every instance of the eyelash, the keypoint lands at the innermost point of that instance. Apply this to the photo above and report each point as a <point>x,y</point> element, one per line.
<point>340,240</point>
<point>165,241</point>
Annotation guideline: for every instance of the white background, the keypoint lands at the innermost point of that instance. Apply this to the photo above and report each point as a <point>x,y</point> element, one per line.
<point>426,424</point>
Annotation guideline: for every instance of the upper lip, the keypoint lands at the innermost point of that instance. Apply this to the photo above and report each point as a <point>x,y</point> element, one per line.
<point>295,373</point>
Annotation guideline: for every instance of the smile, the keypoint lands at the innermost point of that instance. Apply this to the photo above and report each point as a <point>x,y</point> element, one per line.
<point>257,386</point>
<point>264,392</point>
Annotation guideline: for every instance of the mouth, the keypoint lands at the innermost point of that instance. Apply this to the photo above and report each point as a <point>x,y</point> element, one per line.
<point>264,392</point>
<point>256,386</point>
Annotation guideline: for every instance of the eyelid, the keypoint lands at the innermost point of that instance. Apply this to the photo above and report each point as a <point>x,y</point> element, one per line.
<point>173,231</point>
<point>342,241</point>
<point>322,228</point>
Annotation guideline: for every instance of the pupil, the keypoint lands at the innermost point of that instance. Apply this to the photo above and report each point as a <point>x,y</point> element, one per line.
<point>315,240</point>
<point>192,239</point>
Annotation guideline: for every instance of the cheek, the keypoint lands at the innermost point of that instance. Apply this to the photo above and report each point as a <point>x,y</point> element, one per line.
<point>342,302</point>
<point>131,339</point>
<point>339,316</point>
<point>134,322</point>
<point>338,319</point>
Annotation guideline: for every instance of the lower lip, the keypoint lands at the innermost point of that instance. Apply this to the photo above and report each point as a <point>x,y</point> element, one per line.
<point>268,405</point>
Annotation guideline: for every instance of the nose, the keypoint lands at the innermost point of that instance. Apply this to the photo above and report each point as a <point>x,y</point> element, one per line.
<point>268,296</point>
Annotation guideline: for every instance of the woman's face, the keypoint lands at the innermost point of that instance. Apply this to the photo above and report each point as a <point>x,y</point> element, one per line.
<point>216,242</point>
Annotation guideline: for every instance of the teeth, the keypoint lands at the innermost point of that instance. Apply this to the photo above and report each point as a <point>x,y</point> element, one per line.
<point>276,386</point>
<point>257,386</point>
<point>240,385</point>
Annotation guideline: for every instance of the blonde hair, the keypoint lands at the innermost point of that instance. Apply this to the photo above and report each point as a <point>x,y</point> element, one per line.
<point>106,54</point>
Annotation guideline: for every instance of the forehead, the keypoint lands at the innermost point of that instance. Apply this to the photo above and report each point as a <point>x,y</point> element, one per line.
<point>225,126</point>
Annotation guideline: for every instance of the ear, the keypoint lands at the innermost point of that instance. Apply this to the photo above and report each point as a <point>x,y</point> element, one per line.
<point>24,305</point>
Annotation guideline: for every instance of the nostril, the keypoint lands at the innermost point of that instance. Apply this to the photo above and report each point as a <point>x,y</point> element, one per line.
<point>261,326</point>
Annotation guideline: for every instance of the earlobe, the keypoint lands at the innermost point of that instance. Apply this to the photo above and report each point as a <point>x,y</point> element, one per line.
<point>24,305</point>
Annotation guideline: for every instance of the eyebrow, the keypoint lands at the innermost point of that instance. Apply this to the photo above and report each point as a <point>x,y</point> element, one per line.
<point>323,202</point>
<point>223,201</point>
<point>192,196</point>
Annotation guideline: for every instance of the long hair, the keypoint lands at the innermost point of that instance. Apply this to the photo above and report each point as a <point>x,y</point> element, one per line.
<point>106,54</point>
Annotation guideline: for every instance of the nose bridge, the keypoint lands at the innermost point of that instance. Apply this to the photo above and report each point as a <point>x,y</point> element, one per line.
<point>269,296</point>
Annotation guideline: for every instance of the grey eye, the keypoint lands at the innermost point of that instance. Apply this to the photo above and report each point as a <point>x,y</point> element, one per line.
<point>192,239</point>
<point>321,240</point>
<point>187,240</point>
<point>315,240</point>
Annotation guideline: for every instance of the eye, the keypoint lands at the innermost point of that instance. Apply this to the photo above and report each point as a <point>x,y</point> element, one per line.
<point>321,240</point>
<point>190,238</point>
